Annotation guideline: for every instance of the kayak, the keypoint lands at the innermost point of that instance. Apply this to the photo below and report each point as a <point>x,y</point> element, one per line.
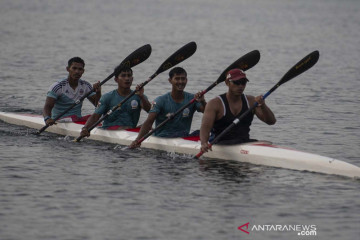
<point>259,153</point>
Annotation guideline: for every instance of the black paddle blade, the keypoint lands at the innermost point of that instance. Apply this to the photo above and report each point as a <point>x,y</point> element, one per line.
<point>246,62</point>
<point>135,58</point>
<point>180,55</point>
<point>303,65</point>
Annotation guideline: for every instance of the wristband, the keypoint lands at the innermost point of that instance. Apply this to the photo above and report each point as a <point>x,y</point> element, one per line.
<point>262,106</point>
<point>46,118</point>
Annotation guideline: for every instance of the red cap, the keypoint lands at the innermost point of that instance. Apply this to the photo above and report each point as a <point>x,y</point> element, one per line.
<point>236,74</point>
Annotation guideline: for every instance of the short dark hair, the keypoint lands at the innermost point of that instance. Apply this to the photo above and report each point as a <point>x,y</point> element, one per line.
<point>77,60</point>
<point>117,71</point>
<point>177,70</point>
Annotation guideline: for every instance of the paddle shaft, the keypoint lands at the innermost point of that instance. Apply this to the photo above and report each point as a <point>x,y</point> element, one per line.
<point>303,65</point>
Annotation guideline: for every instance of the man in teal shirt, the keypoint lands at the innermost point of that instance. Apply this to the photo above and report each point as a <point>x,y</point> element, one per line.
<point>127,116</point>
<point>169,103</point>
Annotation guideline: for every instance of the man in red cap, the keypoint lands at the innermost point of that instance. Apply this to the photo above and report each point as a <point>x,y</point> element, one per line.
<point>221,111</point>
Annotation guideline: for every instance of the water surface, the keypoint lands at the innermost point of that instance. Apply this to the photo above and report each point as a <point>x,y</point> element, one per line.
<point>51,188</point>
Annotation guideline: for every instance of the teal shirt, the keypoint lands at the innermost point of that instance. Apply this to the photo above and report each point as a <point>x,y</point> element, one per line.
<point>127,115</point>
<point>181,124</point>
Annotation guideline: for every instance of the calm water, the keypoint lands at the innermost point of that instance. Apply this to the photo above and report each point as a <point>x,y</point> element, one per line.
<point>51,188</point>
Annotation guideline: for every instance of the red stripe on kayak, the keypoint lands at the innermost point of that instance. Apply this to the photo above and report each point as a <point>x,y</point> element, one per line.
<point>81,120</point>
<point>275,146</point>
<point>133,129</point>
<point>194,138</point>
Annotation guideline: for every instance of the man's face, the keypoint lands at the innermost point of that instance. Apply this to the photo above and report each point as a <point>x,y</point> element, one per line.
<point>237,87</point>
<point>75,70</point>
<point>124,79</point>
<point>178,81</point>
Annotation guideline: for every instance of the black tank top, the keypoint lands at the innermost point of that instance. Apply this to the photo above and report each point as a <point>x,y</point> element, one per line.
<point>240,132</point>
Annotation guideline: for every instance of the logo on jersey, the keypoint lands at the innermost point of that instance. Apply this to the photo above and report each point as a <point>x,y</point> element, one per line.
<point>186,112</point>
<point>81,92</point>
<point>153,105</point>
<point>134,104</point>
<point>98,105</point>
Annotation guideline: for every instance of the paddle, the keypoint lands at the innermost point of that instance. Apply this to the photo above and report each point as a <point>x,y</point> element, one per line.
<point>245,62</point>
<point>303,65</point>
<point>136,57</point>
<point>177,57</point>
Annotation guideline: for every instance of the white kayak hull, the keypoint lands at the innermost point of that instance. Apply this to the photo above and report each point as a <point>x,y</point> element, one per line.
<point>260,153</point>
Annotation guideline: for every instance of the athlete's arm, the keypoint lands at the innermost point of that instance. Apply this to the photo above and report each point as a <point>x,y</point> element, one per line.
<point>92,119</point>
<point>49,104</point>
<point>262,111</point>
<point>94,99</point>
<point>145,128</point>
<point>144,102</point>
<point>207,123</point>
<point>201,100</point>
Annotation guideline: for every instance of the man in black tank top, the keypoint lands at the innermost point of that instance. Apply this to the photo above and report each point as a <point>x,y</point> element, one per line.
<point>221,111</point>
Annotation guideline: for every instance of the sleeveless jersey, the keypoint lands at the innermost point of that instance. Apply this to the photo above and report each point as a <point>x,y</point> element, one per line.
<point>240,132</point>
<point>65,96</point>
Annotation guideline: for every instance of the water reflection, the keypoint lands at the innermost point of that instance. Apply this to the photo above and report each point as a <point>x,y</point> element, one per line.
<point>229,170</point>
